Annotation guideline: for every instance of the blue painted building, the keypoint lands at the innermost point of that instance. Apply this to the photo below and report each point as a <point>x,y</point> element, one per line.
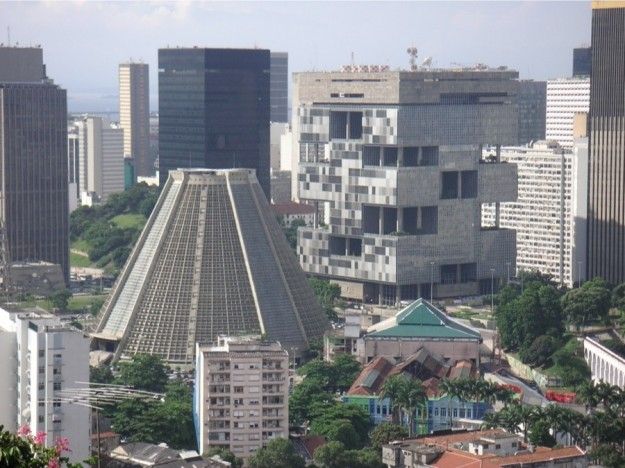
<point>439,415</point>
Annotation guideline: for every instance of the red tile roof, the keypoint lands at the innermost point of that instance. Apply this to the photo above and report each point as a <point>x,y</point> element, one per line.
<point>372,377</point>
<point>541,455</point>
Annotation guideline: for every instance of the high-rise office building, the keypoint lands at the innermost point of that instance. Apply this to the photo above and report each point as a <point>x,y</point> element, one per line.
<point>582,61</point>
<point>395,160</point>
<point>565,98</point>
<point>279,93</point>
<point>73,166</point>
<point>134,115</point>
<point>241,395</point>
<point>42,358</point>
<point>606,203</point>
<point>551,181</point>
<point>214,110</point>
<point>532,102</point>
<point>234,273</point>
<point>33,155</point>
<point>101,162</point>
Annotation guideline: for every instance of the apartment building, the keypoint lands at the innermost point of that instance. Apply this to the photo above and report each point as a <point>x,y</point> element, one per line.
<point>41,358</point>
<point>241,394</point>
<point>565,98</point>
<point>394,162</point>
<point>550,181</point>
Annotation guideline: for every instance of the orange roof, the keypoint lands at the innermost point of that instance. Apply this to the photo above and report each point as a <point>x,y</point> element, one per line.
<point>455,459</point>
<point>540,455</point>
<point>372,377</point>
<point>465,436</point>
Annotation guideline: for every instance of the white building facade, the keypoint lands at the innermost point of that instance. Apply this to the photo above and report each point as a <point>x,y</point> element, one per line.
<point>551,179</point>
<point>41,357</point>
<point>565,98</point>
<point>241,395</point>
<point>101,165</point>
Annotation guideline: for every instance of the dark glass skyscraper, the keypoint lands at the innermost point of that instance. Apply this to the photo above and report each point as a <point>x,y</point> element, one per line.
<point>532,104</point>
<point>214,110</point>
<point>582,61</point>
<point>279,87</point>
<point>606,171</point>
<point>33,160</point>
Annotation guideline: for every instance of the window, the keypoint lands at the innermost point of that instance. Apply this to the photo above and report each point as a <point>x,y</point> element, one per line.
<point>468,183</point>
<point>448,274</point>
<point>57,386</point>
<point>238,389</point>
<point>468,272</point>
<point>485,446</point>
<point>338,125</point>
<point>435,411</point>
<point>497,446</point>
<point>444,412</point>
<point>449,185</point>
<point>390,156</point>
<point>355,125</point>
<point>41,353</point>
<point>371,155</point>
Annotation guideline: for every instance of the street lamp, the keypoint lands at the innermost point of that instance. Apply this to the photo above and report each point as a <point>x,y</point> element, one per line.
<point>431,281</point>
<point>508,265</point>
<point>492,291</point>
<point>579,273</point>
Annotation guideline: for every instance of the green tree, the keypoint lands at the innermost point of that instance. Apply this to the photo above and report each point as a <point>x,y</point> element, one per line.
<point>335,455</point>
<point>618,297</point>
<point>333,376</point>
<point>386,432</point>
<point>225,455</point>
<point>327,294</point>
<point>144,372</point>
<point>305,397</point>
<point>279,453</point>
<point>406,395</point>
<point>540,436</point>
<point>326,420</point>
<point>539,351</point>
<point>101,374</point>
<point>588,303</point>
<point>60,299</point>
<point>290,231</point>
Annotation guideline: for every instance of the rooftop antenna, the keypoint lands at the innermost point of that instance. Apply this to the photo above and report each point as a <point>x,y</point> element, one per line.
<point>413,52</point>
<point>353,62</point>
<point>9,36</point>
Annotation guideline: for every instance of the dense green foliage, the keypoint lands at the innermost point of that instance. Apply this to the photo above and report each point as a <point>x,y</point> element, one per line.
<point>335,455</point>
<point>278,453</point>
<point>109,243</point>
<point>602,428</point>
<point>539,351</point>
<point>145,372</point>
<point>524,316</point>
<point>588,303</point>
<point>345,423</point>
<point>60,299</point>
<point>385,433</point>
<point>327,294</point>
<point>291,231</point>
<point>101,375</point>
<point>168,419</point>
<point>332,376</point>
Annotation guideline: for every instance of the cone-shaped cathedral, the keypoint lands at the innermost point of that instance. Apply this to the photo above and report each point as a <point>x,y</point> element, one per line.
<point>211,260</point>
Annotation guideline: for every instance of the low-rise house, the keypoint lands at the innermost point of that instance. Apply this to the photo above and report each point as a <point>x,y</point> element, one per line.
<point>441,411</point>
<point>479,449</point>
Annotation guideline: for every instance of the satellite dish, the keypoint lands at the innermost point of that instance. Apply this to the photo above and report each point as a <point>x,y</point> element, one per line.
<point>427,62</point>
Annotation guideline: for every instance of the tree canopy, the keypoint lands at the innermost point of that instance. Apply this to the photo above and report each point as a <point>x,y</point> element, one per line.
<point>278,453</point>
<point>588,303</point>
<point>327,294</point>
<point>144,372</point>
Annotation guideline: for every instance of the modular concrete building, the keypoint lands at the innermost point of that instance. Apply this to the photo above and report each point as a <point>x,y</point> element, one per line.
<point>211,260</point>
<point>241,395</point>
<point>394,162</point>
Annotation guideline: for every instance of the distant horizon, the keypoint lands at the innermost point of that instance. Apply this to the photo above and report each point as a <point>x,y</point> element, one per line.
<point>84,42</point>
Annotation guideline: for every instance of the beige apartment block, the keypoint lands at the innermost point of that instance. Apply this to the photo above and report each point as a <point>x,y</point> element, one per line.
<point>241,396</point>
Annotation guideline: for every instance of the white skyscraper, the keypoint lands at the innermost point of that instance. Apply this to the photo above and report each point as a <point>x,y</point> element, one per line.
<point>551,180</point>
<point>134,115</point>
<point>565,98</point>
<point>101,166</point>
<point>41,357</point>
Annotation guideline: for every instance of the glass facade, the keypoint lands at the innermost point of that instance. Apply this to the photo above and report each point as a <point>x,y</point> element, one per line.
<point>214,110</point>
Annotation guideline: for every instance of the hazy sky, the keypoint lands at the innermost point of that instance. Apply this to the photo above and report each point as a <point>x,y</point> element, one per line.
<point>83,41</point>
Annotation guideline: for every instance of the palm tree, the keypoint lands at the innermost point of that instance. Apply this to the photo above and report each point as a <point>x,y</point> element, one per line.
<point>392,389</point>
<point>451,391</point>
<point>406,395</point>
<point>587,394</point>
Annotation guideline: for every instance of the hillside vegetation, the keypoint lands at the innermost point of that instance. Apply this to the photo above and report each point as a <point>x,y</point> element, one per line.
<point>103,236</point>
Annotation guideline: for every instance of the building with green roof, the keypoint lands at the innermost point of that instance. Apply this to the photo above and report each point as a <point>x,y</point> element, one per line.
<point>421,325</point>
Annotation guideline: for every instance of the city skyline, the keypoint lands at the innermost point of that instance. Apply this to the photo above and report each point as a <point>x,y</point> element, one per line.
<point>450,32</point>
